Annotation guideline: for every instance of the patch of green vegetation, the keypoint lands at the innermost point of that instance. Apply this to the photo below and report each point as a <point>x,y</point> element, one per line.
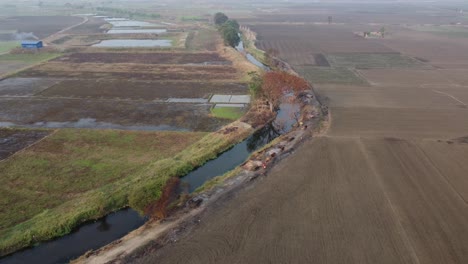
<point>339,75</point>
<point>78,175</point>
<point>231,113</point>
<point>6,46</point>
<point>217,180</point>
<point>30,57</point>
<point>372,60</point>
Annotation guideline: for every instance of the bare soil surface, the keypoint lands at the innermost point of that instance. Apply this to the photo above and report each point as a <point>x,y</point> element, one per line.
<point>139,90</point>
<point>399,122</point>
<point>298,44</point>
<point>92,26</point>
<point>117,114</point>
<point>13,140</point>
<point>130,71</point>
<point>146,58</point>
<point>336,200</point>
<point>40,26</point>
<point>25,86</point>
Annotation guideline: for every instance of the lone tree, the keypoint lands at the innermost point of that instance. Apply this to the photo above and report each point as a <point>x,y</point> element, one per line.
<point>276,84</point>
<point>220,18</point>
<point>330,19</point>
<point>230,34</point>
<point>382,32</point>
<point>229,30</point>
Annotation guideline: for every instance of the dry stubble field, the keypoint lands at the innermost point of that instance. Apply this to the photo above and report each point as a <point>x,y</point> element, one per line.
<point>340,200</point>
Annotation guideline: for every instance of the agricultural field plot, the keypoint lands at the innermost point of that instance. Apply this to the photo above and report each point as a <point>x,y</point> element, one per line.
<point>106,114</point>
<point>453,31</point>
<point>6,46</point>
<point>348,13</point>
<point>72,164</point>
<point>413,176</point>
<point>399,122</point>
<point>10,63</point>
<point>298,44</point>
<point>94,25</point>
<point>338,75</point>
<point>139,90</point>
<point>13,140</point>
<point>450,157</point>
<point>372,60</point>
<point>39,26</point>
<point>367,189</point>
<point>11,66</point>
<point>418,78</point>
<point>202,40</point>
<point>130,71</point>
<point>392,96</point>
<point>25,86</point>
<point>436,50</point>
<point>146,58</point>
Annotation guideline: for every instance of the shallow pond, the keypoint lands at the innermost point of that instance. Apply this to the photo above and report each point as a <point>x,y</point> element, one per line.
<point>134,43</point>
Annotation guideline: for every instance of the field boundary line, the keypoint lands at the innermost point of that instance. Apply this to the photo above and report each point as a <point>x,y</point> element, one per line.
<point>451,96</point>
<point>29,146</point>
<point>404,236</point>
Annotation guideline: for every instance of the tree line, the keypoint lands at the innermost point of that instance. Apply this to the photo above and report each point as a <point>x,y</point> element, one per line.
<point>229,29</point>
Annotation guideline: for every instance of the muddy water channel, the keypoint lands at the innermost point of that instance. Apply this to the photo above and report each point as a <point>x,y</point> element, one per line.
<point>250,57</point>
<point>93,235</point>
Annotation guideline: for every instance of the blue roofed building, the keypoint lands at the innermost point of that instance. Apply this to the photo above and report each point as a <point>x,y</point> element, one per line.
<point>36,44</point>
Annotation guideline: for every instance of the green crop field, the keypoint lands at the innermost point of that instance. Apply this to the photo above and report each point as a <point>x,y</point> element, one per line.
<point>6,46</point>
<point>372,60</point>
<point>231,113</point>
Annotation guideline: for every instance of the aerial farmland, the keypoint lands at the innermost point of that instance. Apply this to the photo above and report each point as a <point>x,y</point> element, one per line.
<point>122,102</point>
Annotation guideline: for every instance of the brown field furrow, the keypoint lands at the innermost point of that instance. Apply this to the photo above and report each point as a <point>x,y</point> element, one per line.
<point>392,96</point>
<point>144,58</point>
<point>450,159</point>
<point>96,113</point>
<point>139,90</point>
<point>432,214</point>
<point>399,122</point>
<point>327,208</point>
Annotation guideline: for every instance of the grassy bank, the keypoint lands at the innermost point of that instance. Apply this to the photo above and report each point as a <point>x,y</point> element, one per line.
<point>78,175</point>
<point>249,46</point>
<point>231,113</point>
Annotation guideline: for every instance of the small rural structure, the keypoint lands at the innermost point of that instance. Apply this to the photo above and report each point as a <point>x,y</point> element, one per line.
<point>36,44</point>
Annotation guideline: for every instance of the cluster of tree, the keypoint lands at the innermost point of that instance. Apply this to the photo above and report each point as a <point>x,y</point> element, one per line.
<point>274,85</point>
<point>229,29</point>
<point>127,13</point>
